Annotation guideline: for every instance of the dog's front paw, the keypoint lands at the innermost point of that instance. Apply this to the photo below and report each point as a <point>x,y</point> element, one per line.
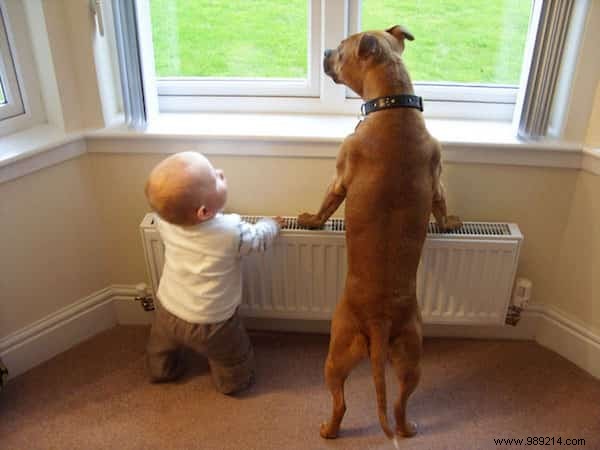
<point>308,220</point>
<point>452,223</point>
<point>327,432</point>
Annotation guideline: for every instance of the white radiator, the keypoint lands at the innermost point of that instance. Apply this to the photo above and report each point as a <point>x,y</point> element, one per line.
<point>465,277</point>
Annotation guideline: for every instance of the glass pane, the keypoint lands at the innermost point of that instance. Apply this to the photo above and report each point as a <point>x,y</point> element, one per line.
<point>2,96</point>
<point>466,41</point>
<point>230,38</point>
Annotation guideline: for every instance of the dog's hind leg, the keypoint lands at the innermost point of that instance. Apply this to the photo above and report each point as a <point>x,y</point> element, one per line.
<point>347,347</point>
<point>405,353</point>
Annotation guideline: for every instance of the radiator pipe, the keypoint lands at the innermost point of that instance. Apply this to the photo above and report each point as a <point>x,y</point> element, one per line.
<point>144,297</point>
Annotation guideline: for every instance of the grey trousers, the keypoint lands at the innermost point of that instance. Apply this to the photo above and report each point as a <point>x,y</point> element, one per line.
<point>226,345</point>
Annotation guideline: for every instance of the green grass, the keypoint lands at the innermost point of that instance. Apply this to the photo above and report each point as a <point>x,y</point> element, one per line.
<point>227,38</point>
<point>462,40</point>
<point>2,98</point>
<point>475,41</point>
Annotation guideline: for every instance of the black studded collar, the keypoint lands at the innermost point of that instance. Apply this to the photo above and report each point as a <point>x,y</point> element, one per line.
<point>392,101</point>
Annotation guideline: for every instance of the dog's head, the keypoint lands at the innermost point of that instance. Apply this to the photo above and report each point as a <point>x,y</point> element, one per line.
<point>359,53</point>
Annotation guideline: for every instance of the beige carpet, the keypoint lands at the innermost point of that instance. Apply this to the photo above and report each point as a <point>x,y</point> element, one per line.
<point>96,396</point>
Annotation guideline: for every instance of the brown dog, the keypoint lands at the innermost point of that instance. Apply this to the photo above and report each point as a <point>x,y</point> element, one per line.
<point>388,171</point>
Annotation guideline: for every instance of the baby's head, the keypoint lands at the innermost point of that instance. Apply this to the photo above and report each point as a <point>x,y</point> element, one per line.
<point>185,189</point>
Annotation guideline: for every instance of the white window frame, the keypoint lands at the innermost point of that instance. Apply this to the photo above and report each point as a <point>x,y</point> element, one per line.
<point>330,22</point>
<point>459,100</point>
<point>19,73</point>
<point>213,87</point>
<point>8,76</point>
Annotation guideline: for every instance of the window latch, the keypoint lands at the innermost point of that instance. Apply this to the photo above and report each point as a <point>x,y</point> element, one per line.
<point>96,8</point>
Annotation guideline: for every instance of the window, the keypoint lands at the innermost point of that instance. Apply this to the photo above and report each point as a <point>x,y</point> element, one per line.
<point>11,103</point>
<point>259,47</point>
<point>468,51</point>
<point>2,96</point>
<point>266,55</point>
<point>20,99</point>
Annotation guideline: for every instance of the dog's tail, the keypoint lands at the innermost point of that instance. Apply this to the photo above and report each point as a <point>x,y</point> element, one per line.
<point>379,335</point>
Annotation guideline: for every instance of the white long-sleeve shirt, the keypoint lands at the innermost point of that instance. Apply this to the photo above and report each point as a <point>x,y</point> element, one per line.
<point>201,280</point>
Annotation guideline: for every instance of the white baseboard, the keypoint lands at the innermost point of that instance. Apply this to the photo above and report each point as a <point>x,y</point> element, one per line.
<point>58,332</point>
<point>570,338</point>
<point>547,325</point>
<point>525,330</point>
<point>113,305</point>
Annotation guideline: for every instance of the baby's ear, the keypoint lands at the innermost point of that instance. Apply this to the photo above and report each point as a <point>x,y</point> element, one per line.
<point>203,213</point>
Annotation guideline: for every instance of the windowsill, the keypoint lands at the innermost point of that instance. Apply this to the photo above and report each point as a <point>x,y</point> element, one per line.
<point>36,148</point>
<point>591,160</point>
<point>317,128</point>
<point>33,141</point>
<point>290,135</point>
<point>463,141</point>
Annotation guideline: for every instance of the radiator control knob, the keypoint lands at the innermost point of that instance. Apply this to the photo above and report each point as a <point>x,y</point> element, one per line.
<point>522,293</point>
<point>141,289</point>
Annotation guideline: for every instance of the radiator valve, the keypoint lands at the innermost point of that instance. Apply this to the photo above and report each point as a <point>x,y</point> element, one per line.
<point>144,297</point>
<point>520,300</point>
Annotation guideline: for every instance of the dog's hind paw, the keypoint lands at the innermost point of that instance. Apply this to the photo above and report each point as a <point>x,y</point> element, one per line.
<point>327,432</point>
<point>408,430</point>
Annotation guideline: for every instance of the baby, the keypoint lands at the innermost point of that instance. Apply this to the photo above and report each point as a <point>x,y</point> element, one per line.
<point>201,284</point>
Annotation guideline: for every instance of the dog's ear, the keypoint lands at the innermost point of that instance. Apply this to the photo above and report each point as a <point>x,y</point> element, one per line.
<point>400,33</point>
<point>368,46</point>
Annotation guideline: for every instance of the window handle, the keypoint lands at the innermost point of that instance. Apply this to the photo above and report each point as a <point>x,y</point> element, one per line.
<point>96,8</point>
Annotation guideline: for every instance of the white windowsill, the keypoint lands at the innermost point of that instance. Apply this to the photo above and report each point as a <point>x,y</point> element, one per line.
<point>33,141</point>
<point>463,141</point>
<point>36,148</point>
<point>316,128</point>
<point>279,135</point>
<point>591,160</point>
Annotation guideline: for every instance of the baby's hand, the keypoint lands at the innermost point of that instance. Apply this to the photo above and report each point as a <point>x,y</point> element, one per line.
<point>280,221</point>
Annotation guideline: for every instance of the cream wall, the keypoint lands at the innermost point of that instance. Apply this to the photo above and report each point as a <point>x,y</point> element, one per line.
<point>585,75</point>
<point>51,243</point>
<point>71,34</point>
<point>593,132</point>
<point>256,186</point>
<point>575,283</point>
<point>72,229</point>
<point>538,199</point>
<point>556,209</point>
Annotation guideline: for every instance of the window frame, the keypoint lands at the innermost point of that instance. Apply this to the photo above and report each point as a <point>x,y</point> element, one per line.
<point>16,27</point>
<point>259,87</point>
<point>460,100</point>
<point>442,100</point>
<point>13,105</point>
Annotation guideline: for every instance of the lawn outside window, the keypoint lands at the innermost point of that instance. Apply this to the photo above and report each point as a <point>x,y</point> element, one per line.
<point>459,56</point>
<point>265,55</point>
<point>256,48</point>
